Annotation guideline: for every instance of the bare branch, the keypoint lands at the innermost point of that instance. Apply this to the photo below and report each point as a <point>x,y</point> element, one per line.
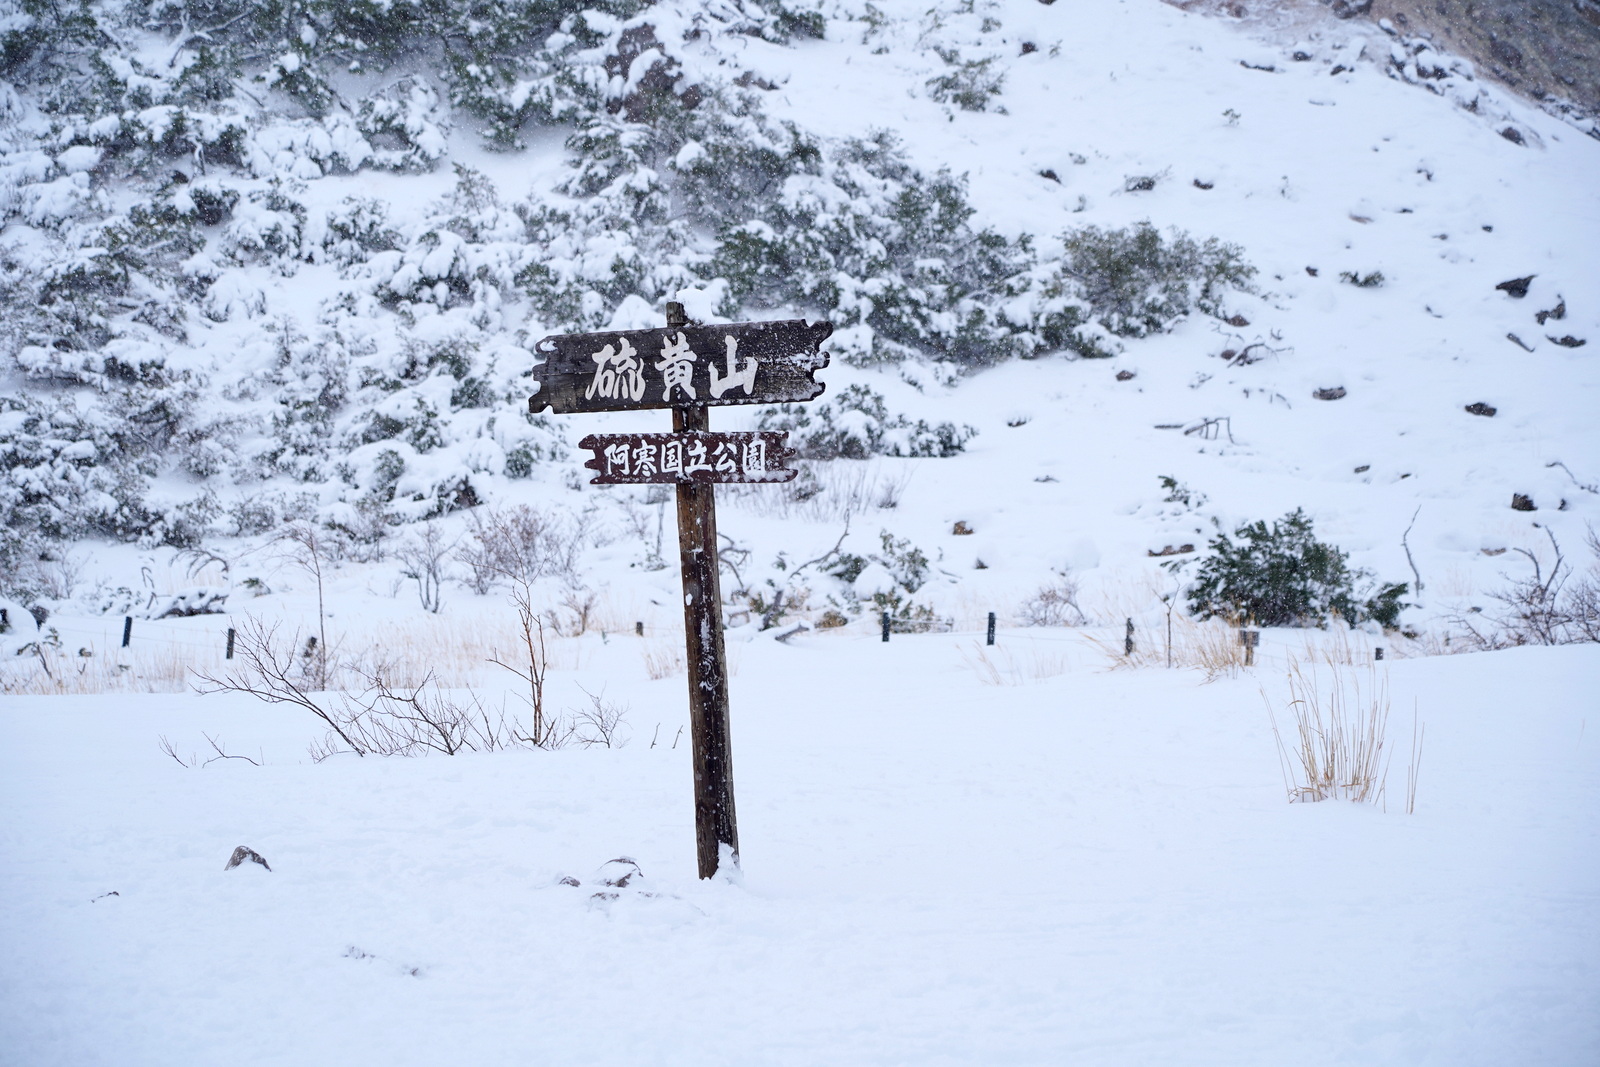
<point>222,753</point>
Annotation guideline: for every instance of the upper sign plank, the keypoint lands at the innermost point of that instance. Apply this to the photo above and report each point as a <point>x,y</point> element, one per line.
<point>738,363</point>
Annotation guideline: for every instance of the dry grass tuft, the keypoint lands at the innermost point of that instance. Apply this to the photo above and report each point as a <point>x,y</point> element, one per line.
<point>1211,647</point>
<point>1341,724</point>
<point>827,491</point>
<point>1000,665</point>
<point>663,659</point>
<point>165,655</point>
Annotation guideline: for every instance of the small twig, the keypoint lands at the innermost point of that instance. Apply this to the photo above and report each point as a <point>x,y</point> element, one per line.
<point>1586,487</point>
<point>166,746</point>
<point>222,753</point>
<point>1414,573</point>
<point>834,551</point>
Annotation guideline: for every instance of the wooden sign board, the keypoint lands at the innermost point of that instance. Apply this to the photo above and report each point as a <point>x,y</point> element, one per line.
<point>687,366</point>
<point>675,458</point>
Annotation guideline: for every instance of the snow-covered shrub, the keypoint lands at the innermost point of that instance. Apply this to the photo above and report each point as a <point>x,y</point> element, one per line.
<point>404,125</point>
<point>889,254</point>
<point>159,160</point>
<point>24,555</point>
<point>1137,283</point>
<point>357,229</point>
<point>970,84</point>
<point>856,424</point>
<point>886,580</point>
<point>1281,575</point>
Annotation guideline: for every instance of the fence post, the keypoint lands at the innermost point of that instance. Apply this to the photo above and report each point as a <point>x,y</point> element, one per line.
<point>230,643</point>
<point>1127,641</point>
<point>127,629</point>
<point>886,627</point>
<point>638,628</point>
<point>989,640</point>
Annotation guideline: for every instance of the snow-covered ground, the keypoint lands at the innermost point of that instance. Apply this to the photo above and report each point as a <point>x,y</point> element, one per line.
<point>1080,864</point>
<point>1096,868</point>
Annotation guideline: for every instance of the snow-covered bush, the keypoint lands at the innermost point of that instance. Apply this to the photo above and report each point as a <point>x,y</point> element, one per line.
<point>164,237</point>
<point>1281,575</point>
<point>856,424</point>
<point>887,580</point>
<point>970,84</point>
<point>1137,282</point>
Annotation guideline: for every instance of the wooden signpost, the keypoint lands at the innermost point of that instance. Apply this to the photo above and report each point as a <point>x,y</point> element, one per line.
<point>690,369</point>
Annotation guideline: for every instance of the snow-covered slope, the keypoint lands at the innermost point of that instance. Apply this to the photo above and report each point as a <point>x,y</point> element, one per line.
<point>349,339</point>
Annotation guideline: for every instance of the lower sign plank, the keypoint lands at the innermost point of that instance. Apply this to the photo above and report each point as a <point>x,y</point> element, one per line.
<point>640,458</point>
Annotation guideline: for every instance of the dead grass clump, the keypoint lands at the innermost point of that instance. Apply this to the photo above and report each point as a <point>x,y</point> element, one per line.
<point>1337,750</point>
<point>1338,646</point>
<point>663,659</point>
<point>50,670</point>
<point>999,665</point>
<point>1211,646</point>
<point>826,491</point>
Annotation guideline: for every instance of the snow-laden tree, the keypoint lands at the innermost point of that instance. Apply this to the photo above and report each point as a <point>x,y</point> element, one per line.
<point>198,337</point>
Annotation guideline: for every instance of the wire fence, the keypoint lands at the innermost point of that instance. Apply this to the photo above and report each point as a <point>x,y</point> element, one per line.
<point>85,655</point>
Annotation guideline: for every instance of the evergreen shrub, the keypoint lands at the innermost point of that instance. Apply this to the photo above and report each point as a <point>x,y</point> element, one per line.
<point>856,424</point>
<point>1281,575</point>
<point>1138,283</point>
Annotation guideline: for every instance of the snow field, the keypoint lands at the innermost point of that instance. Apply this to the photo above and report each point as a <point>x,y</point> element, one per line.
<point>1097,868</point>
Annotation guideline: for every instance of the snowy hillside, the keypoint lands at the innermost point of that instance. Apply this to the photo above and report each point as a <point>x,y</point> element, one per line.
<point>313,290</point>
<point>1111,281</point>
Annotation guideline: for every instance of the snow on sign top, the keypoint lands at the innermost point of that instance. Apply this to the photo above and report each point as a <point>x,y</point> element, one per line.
<point>738,363</point>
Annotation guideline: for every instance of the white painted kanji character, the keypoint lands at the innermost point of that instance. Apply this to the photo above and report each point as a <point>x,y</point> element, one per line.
<point>696,458</point>
<point>644,459</point>
<point>745,377</point>
<point>677,367</point>
<point>755,456</point>
<point>617,458</point>
<point>672,457</point>
<point>618,374</point>
<point>726,456</point>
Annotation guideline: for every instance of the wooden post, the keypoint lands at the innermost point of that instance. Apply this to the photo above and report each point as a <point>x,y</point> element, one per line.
<point>127,629</point>
<point>989,640</point>
<point>715,823</point>
<point>886,627</point>
<point>1127,641</point>
<point>230,643</point>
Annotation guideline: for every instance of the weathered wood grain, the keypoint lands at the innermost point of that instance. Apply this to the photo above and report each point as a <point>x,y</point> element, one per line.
<point>716,822</point>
